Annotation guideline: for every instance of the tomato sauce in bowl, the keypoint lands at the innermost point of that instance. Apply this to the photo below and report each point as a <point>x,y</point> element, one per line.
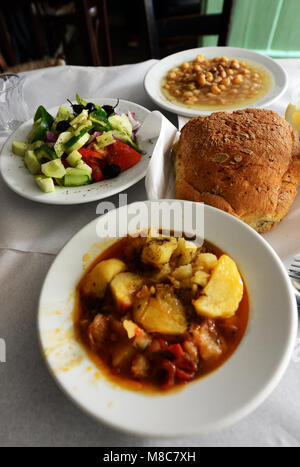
<point>144,350</point>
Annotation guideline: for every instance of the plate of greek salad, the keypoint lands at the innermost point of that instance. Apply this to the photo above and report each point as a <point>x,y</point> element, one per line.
<point>78,152</point>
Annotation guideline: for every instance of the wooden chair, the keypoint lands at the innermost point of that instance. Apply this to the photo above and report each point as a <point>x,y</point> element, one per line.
<point>95,33</point>
<point>185,25</point>
<point>7,54</point>
<point>90,17</point>
<point>34,65</point>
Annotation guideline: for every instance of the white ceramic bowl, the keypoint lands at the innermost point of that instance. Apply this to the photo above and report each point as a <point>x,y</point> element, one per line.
<point>156,73</point>
<point>21,181</point>
<point>208,404</point>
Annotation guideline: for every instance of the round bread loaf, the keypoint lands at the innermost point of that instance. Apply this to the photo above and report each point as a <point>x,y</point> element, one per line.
<point>246,163</point>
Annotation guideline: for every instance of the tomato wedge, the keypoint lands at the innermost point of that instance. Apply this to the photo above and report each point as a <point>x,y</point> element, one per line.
<point>96,160</point>
<point>122,155</point>
<point>118,153</point>
<point>88,153</point>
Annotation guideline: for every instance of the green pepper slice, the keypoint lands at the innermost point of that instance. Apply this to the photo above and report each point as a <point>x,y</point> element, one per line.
<point>39,132</point>
<point>100,117</point>
<point>42,122</point>
<point>44,115</point>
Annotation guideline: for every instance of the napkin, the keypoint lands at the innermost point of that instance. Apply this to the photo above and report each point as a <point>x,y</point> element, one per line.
<point>159,181</point>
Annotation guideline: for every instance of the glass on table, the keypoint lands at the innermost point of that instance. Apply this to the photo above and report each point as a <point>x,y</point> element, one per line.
<point>13,109</point>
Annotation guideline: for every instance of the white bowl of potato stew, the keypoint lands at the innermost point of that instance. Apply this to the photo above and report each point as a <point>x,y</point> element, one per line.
<point>77,300</point>
<point>199,81</point>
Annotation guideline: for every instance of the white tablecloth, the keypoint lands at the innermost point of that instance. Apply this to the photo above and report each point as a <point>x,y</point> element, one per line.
<point>33,410</point>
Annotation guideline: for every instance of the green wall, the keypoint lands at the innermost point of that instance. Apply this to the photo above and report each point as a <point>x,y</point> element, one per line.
<point>268,26</point>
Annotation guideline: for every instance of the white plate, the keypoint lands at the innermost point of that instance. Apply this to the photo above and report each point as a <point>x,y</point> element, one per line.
<point>154,76</point>
<point>20,180</point>
<point>211,403</point>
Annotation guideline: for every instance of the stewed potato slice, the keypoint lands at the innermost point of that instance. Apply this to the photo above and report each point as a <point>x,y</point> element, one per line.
<point>185,251</point>
<point>183,272</point>
<point>200,278</point>
<point>205,262</point>
<point>158,251</point>
<point>221,296</point>
<point>163,312</point>
<point>96,281</point>
<point>123,287</point>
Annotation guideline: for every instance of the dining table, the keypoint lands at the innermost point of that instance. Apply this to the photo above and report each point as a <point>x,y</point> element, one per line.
<point>33,409</point>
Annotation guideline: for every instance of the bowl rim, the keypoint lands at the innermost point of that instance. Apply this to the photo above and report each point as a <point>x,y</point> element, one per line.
<point>236,415</point>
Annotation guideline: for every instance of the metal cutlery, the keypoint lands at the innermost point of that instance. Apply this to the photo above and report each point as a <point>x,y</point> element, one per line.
<point>294,274</point>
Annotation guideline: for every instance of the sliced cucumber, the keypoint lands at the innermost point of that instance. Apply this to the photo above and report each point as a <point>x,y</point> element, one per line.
<point>81,169</point>
<point>73,158</point>
<point>53,168</point>
<point>83,126</point>
<point>76,143</point>
<point>19,148</point>
<point>36,145</point>
<point>86,168</point>
<point>44,152</point>
<point>32,162</point>
<point>44,183</point>
<point>59,146</point>
<point>83,166</point>
<point>76,180</point>
<point>82,117</point>
<point>78,170</point>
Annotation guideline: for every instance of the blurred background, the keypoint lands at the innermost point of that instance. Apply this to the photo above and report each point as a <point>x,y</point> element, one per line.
<point>36,34</point>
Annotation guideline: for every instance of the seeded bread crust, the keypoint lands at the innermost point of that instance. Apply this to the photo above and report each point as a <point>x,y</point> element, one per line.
<point>246,163</point>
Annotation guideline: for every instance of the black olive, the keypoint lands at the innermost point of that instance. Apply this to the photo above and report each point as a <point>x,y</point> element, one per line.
<point>111,171</point>
<point>108,109</point>
<point>63,125</point>
<point>77,108</point>
<point>90,107</point>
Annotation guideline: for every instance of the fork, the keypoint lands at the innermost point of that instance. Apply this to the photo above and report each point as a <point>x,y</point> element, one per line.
<point>294,273</point>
